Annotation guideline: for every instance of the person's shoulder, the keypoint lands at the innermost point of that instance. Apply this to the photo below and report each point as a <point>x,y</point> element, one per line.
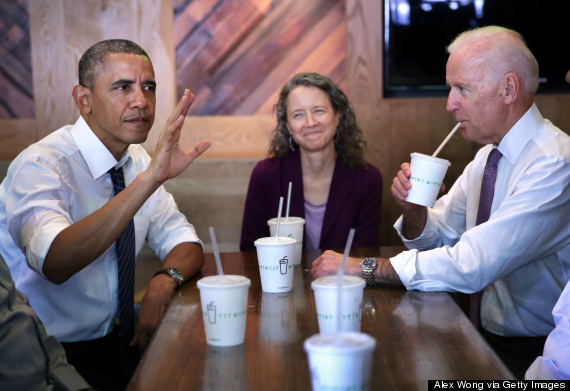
<point>269,165</point>
<point>548,143</point>
<point>551,134</point>
<point>371,168</point>
<point>368,170</point>
<point>546,135</point>
<point>53,147</point>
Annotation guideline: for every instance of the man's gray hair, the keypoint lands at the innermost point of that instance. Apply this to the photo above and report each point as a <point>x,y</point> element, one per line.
<point>505,51</point>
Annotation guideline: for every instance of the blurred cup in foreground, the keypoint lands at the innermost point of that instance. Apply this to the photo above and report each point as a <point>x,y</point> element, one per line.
<point>340,361</point>
<point>224,308</point>
<point>427,177</point>
<point>292,227</point>
<point>275,257</point>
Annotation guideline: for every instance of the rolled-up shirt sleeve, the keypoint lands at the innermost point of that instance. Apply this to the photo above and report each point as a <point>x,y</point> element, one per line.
<point>167,226</point>
<point>37,214</point>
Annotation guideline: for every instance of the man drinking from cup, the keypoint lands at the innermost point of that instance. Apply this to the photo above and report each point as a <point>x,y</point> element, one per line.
<point>514,247</point>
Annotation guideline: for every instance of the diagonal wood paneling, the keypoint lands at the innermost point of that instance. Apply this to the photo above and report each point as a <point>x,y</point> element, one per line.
<point>16,93</point>
<point>236,54</point>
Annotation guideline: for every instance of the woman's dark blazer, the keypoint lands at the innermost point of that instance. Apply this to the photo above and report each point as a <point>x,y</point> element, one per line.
<point>355,201</point>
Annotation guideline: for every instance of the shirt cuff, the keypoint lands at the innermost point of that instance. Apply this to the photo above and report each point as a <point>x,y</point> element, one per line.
<point>37,248</point>
<point>188,237</point>
<point>405,265</point>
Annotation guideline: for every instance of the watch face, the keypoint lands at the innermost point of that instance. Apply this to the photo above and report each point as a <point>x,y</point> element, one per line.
<point>175,274</point>
<point>369,264</point>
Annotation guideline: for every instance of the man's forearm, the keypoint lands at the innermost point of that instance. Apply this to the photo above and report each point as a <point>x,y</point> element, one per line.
<point>187,258</point>
<point>84,241</point>
<point>385,273</point>
<point>414,223</point>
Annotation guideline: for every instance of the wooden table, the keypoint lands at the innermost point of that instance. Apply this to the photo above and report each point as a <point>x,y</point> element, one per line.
<point>420,336</point>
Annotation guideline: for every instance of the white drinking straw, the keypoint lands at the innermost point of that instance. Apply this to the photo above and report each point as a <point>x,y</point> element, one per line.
<point>279,216</point>
<point>216,251</point>
<point>340,274</point>
<point>446,139</point>
<point>288,201</point>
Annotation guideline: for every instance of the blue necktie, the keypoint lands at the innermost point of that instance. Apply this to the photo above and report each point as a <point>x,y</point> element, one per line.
<point>483,213</point>
<point>125,246</point>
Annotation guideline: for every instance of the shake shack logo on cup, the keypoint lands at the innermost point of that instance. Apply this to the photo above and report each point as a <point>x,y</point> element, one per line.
<point>283,267</point>
<point>426,181</point>
<point>275,257</point>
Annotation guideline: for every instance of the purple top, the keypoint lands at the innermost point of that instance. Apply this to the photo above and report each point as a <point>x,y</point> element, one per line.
<point>354,201</point>
<point>314,216</point>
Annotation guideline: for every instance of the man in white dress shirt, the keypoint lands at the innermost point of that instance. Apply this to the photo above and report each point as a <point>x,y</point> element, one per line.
<point>519,257</point>
<point>554,363</point>
<point>59,218</point>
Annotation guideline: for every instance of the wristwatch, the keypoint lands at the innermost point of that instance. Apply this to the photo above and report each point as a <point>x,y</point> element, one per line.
<point>172,272</point>
<point>368,266</point>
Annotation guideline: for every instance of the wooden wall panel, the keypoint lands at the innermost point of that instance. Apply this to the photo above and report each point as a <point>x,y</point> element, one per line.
<point>324,52</point>
<point>52,68</point>
<point>243,51</point>
<point>364,66</point>
<point>60,35</point>
<point>16,93</point>
<point>15,135</point>
<point>231,136</point>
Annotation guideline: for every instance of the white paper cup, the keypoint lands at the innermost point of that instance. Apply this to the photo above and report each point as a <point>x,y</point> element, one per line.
<point>275,258</point>
<point>292,227</point>
<point>224,308</point>
<point>340,361</point>
<point>427,177</point>
<point>326,301</point>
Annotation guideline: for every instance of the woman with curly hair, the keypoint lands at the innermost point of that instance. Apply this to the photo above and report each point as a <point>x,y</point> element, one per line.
<point>318,146</point>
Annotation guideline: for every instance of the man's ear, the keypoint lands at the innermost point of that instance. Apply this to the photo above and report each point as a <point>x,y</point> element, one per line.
<point>82,98</point>
<point>511,86</point>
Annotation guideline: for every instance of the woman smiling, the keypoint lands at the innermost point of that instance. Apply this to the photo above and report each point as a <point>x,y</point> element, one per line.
<point>318,147</point>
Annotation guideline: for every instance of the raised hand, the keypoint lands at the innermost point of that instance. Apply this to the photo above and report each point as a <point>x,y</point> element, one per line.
<point>169,160</point>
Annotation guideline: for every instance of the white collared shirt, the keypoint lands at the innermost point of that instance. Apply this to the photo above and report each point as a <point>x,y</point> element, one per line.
<point>554,364</point>
<point>55,183</point>
<point>521,256</point>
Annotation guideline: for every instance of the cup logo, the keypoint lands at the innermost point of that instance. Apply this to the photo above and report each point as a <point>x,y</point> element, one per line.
<point>283,265</point>
<point>211,309</point>
<point>426,181</point>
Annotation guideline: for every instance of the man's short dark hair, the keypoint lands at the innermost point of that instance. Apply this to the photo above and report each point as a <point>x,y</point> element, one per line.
<point>94,58</point>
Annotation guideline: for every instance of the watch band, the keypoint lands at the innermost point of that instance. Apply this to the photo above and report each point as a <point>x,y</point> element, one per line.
<point>173,273</point>
<point>369,278</point>
<point>368,266</point>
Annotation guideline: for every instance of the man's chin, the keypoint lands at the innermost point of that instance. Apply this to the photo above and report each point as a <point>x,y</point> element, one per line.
<point>139,137</point>
<point>139,134</point>
<point>140,140</point>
